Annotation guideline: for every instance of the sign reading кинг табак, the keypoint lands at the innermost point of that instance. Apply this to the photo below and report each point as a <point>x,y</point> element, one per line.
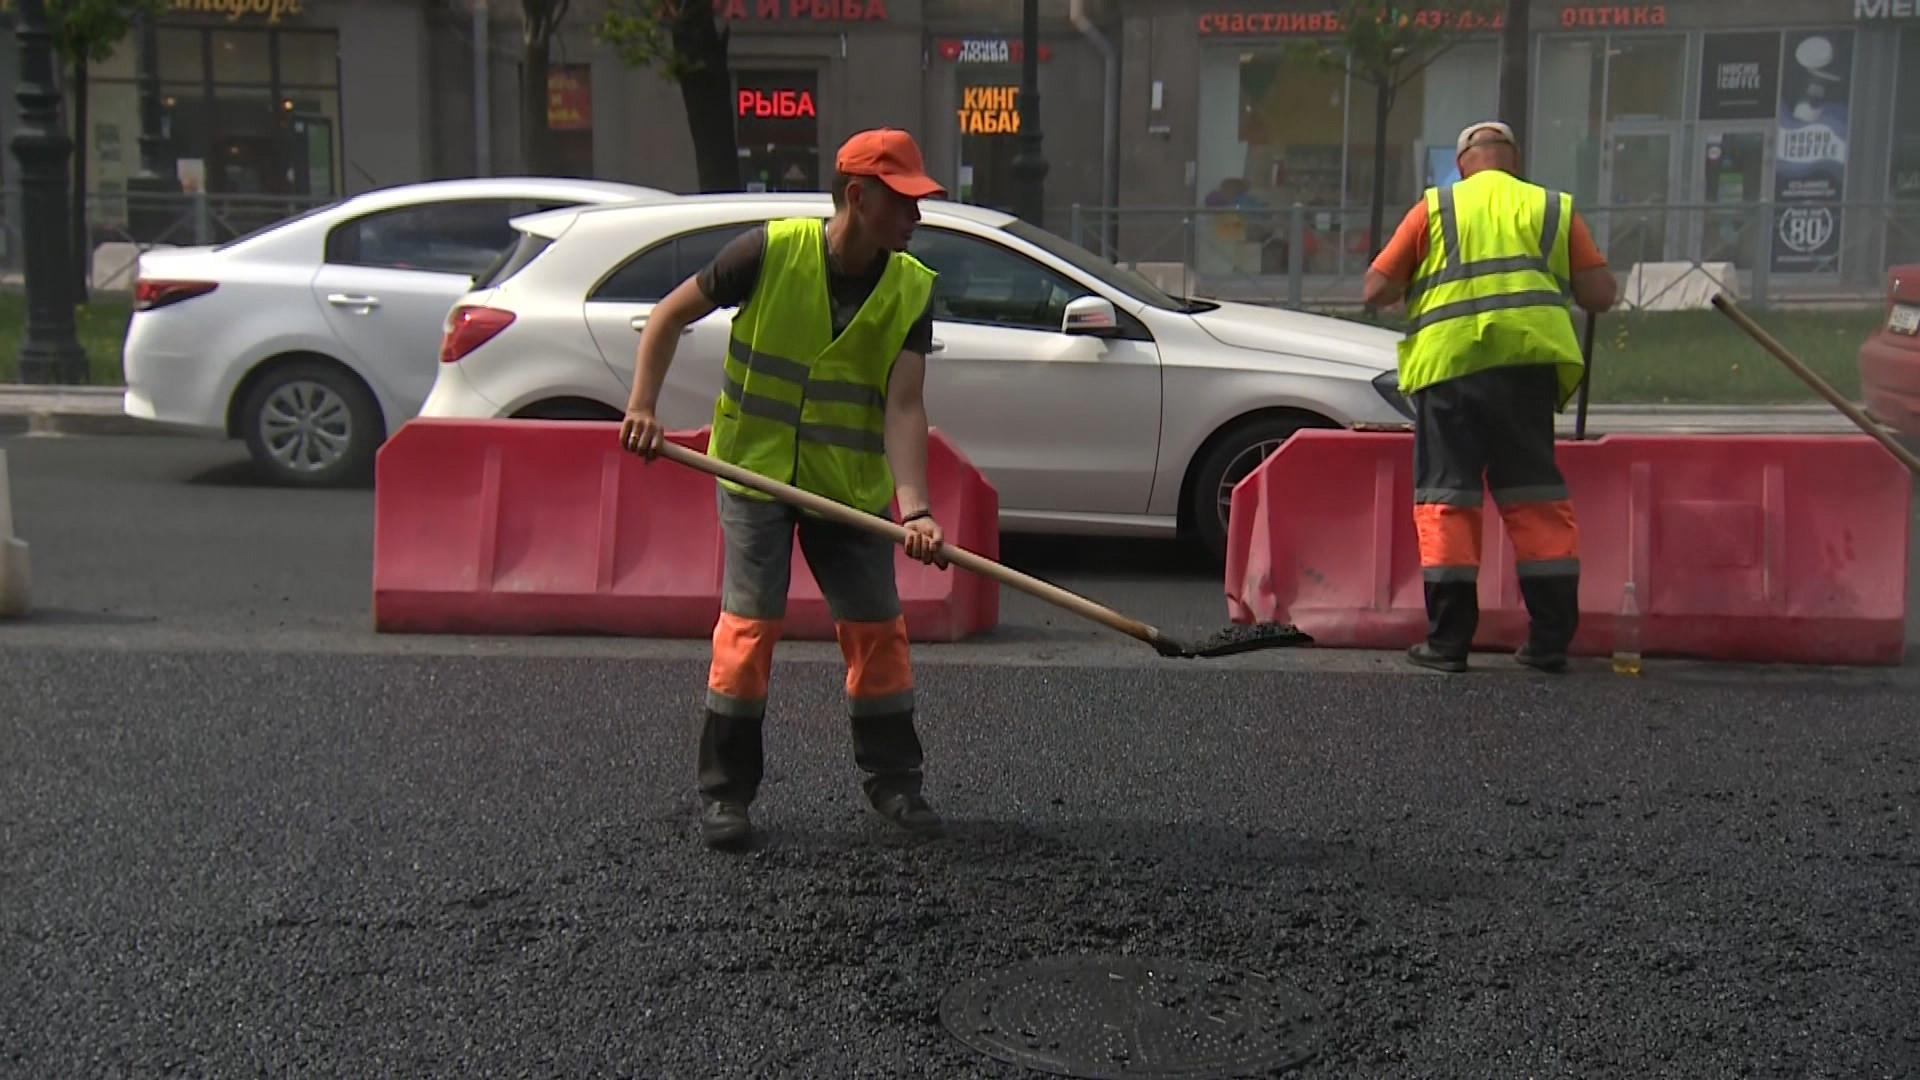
<point>989,110</point>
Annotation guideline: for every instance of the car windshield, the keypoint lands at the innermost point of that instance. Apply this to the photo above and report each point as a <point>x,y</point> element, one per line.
<point>1093,265</point>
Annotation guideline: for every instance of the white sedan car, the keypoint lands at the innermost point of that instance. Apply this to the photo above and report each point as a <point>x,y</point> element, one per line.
<point>314,337</point>
<point>1093,402</point>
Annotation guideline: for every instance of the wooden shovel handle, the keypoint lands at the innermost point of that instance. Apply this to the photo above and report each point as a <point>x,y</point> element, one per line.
<point>1780,353</point>
<point>956,555</point>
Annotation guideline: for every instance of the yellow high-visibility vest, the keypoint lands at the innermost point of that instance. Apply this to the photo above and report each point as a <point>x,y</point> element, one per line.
<point>1494,285</point>
<point>800,405</point>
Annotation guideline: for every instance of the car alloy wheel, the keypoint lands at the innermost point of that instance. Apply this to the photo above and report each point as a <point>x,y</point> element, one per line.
<point>1238,466</point>
<point>311,423</point>
<point>1237,452</point>
<point>306,427</point>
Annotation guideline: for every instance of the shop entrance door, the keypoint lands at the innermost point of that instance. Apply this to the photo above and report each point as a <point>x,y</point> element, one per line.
<point>1732,175</point>
<point>1639,181</point>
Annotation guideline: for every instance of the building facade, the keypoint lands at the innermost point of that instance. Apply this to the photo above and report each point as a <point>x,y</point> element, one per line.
<point>1779,135</point>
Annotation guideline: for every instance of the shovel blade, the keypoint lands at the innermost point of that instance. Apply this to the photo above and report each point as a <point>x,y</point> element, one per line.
<point>1240,639</point>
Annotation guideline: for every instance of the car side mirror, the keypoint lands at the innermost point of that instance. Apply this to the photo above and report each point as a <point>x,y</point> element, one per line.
<point>1089,315</point>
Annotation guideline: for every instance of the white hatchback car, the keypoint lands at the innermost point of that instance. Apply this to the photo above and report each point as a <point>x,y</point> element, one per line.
<point>1093,402</point>
<point>314,337</point>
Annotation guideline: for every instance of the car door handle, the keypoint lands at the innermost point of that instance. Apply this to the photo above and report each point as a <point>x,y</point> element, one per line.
<point>639,322</point>
<point>938,346</point>
<point>343,300</point>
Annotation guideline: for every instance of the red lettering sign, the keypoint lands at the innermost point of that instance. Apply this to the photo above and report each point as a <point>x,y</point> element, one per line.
<point>1613,15</point>
<point>780,104</point>
<point>1328,23</point>
<point>987,50</point>
<point>828,11</point>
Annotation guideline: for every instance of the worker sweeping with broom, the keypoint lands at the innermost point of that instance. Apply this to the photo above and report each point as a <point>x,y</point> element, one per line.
<point>1486,266</point>
<point>835,411</point>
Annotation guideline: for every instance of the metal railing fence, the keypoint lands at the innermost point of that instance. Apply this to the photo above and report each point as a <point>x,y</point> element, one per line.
<point>120,224</point>
<point>1800,253</point>
<point>1666,255</point>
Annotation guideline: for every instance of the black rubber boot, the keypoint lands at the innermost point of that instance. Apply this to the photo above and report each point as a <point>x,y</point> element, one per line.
<point>1426,656</point>
<point>1553,607</point>
<point>730,769</point>
<point>1532,656</point>
<point>887,749</point>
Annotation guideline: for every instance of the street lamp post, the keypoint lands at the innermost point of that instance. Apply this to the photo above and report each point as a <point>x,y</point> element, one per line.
<point>52,352</point>
<point>1029,167</point>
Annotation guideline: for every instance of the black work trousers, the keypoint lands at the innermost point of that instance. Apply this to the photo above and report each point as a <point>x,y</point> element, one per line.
<point>1493,430</point>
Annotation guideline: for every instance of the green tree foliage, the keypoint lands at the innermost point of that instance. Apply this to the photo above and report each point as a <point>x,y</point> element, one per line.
<point>1385,45</point>
<point>686,42</point>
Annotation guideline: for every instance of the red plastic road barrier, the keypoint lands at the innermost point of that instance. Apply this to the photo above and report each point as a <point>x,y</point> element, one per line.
<point>1789,549</point>
<point>548,527</point>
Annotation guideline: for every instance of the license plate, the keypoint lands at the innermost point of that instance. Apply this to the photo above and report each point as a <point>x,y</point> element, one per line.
<point>1905,319</point>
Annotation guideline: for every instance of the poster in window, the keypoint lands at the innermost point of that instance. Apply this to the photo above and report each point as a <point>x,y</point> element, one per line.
<point>1810,169</point>
<point>1739,76</point>
<point>1904,180</point>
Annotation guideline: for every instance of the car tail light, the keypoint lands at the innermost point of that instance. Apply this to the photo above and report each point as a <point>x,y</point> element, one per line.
<point>468,328</point>
<point>150,293</point>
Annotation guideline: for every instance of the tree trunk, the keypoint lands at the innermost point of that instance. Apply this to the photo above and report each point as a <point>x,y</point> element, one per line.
<point>1513,72</point>
<point>706,89</point>
<point>82,249</point>
<point>534,65</point>
<point>1382,105</point>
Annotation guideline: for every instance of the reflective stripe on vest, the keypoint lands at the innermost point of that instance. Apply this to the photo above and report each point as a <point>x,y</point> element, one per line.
<point>797,404</point>
<point>1492,289</point>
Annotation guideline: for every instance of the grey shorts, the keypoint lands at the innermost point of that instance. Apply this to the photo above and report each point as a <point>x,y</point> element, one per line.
<point>853,567</point>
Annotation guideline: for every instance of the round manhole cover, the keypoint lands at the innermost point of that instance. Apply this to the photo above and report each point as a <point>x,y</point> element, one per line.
<point>1106,1018</point>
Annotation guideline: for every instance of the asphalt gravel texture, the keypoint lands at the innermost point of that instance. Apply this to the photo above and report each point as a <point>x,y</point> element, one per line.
<point>264,841</point>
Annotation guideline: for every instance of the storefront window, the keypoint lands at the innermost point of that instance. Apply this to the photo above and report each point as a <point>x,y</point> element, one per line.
<point>1810,170</point>
<point>1276,129</point>
<point>1646,77</point>
<point>1903,185</point>
<point>777,124</point>
<point>309,58</point>
<point>1569,92</point>
<point>1607,130</point>
<point>244,111</point>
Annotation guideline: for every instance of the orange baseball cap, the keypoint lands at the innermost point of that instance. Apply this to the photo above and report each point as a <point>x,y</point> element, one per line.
<point>891,155</point>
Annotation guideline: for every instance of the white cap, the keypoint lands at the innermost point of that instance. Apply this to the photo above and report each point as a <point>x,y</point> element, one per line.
<point>1467,133</point>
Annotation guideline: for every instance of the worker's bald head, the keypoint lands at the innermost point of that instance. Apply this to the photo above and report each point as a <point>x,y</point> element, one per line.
<point>1487,145</point>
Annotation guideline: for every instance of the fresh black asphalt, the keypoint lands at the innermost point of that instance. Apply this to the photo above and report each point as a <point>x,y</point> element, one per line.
<point>226,864</point>
<point>220,860</point>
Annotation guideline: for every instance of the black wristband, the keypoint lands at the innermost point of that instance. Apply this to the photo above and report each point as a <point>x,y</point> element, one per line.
<point>916,516</point>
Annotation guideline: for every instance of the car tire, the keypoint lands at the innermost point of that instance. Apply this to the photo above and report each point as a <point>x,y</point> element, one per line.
<point>1237,452</point>
<point>311,424</point>
<point>568,409</point>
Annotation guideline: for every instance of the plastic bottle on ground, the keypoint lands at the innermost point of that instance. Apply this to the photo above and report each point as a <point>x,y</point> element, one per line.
<point>1626,635</point>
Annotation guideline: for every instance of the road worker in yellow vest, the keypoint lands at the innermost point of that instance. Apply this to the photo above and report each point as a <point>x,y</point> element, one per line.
<point>1486,266</point>
<point>836,410</point>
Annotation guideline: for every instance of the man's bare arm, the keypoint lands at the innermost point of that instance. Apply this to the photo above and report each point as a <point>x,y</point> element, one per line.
<point>906,432</point>
<point>1595,288</point>
<point>684,305</point>
<point>1379,290</point>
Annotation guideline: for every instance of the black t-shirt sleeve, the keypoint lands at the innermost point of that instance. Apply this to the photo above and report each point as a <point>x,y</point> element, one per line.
<point>920,337</point>
<point>729,279</point>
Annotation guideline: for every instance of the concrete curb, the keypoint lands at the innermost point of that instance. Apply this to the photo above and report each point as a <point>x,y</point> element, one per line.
<point>69,410</point>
